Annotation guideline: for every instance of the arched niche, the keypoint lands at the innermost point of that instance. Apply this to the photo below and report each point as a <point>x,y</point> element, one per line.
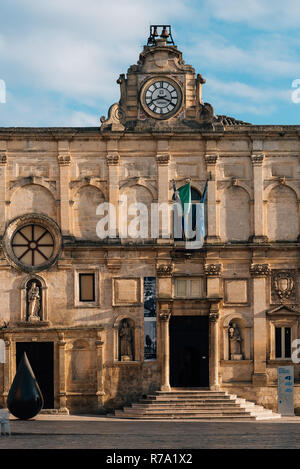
<point>28,284</point>
<point>32,198</point>
<point>135,337</point>
<point>86,201</point>
<point>236,217</point>
<point>282,214</point>
<point>245,328</point>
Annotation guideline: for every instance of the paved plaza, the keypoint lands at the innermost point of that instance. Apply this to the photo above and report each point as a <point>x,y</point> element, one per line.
<point>95,432</point>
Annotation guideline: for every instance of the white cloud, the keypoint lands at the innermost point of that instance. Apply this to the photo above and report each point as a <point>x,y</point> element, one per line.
<point>260,14</point>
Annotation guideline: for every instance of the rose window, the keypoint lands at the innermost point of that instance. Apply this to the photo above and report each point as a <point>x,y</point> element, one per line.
<point>33,245</point>
<point>32,242</point>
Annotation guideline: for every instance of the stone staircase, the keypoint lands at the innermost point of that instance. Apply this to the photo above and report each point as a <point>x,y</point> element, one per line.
<point>195,404</point>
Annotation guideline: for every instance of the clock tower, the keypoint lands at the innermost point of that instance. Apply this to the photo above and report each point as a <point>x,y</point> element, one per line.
<point>160,91</point>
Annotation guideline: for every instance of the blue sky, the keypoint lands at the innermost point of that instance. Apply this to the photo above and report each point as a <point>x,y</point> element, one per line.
<point>60,59</point>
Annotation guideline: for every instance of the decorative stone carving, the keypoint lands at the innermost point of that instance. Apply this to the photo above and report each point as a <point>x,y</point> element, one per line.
<point>283,286</point>
<point>165,270</point>
<point>211,159</point>
<point>257,159</point>
<point>64,159</point>
<point>163,158</point>
<point>213,270</point>
<point>235,342</point>
<point>113,159</point>
<point>3,158</point>
<point>114,120</point>
<point>214,316</point>
<point>165,315</point>
<point>260,270</point>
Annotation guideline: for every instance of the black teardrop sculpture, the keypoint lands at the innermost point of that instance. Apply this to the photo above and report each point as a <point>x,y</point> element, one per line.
<point>24,399</point>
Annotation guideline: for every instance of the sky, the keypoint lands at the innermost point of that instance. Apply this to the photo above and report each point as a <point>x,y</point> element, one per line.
<point>60,59</point>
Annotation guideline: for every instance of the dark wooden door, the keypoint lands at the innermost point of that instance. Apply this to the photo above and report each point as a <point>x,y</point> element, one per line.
<point>40,356</point>
<point>189,351</point>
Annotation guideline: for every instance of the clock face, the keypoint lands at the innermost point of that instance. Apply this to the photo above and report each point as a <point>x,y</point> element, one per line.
<point>161,98</point>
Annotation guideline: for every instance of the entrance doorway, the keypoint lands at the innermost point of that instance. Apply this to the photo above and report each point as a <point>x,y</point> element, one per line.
<point>40,356</point>
<point>189,351</point>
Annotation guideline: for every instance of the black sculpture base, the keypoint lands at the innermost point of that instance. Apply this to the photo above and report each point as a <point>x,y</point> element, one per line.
<point>24,399</point>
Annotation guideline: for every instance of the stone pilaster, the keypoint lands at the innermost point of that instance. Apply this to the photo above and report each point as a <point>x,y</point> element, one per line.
<point>3,185</point>
<point>257,163</point>
<point>214,346</point>
<point>113,164</point>
<point>213,274</point>
<point>64,161</point>
<point>260,273</point>
<point>100,385</point>
<point>165,311</point>
<point>162,160</point>
<point>62,374</point>
<point>213,231</point>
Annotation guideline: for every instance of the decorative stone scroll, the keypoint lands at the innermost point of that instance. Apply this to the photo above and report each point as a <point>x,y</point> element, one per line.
<point>213,270</point>
<point>260,270</point>
<point>257,159</point>
<point>165,270</point>
<point>113,159</point>
<point>64,159</point>
<point>214,316</point>
<point>211,159</point>
<point>3,158</point>
<point>163,159</point>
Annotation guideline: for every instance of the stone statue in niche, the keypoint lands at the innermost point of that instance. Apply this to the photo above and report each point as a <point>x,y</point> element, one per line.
<point>126,341</point>
<point>33,301</point>
<point>235,342</point>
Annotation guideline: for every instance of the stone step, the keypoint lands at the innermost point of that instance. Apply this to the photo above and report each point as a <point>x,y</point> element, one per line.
<point>212,405</point>
<point>236,410</point>
<point>195,404</point>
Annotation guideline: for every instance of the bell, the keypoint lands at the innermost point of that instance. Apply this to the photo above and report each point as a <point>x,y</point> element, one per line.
<point>155,33</point>
<point>164,33</point>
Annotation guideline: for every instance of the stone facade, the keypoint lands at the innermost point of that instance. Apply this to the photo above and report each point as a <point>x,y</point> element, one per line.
<point>247,271</point>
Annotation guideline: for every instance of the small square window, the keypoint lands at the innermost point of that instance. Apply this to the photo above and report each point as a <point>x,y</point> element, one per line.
<point>87,287</point>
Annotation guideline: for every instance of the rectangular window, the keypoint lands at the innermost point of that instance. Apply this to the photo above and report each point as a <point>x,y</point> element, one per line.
<point>189,287</point>
<point>87,287</point>
<point>282,342</point>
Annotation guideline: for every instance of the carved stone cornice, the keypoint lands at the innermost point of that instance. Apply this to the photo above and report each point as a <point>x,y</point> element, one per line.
<point>257,159</point>
<point>260,270</point>
<point>113,159</point>
<point>163,159</point>
<point>211,158</point>
<point>213,270</point>
<point>164,270</point>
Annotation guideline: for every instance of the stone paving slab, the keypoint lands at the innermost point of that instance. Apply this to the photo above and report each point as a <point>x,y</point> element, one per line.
<point>96,432</point>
